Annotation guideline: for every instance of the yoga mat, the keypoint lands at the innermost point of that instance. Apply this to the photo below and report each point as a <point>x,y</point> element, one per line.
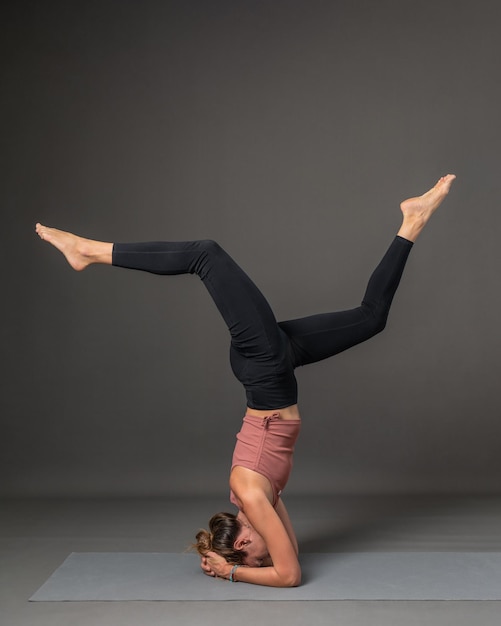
<point>122,576</point>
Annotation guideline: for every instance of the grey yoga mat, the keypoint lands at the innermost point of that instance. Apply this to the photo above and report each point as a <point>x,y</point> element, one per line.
<point>123,576</point>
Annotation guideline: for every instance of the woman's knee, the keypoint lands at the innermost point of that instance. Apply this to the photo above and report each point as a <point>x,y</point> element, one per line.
<point>210,246</point>
<point>377,318</point>
<point>380,323</point>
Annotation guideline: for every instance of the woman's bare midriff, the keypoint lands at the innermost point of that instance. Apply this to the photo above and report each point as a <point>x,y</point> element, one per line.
<point>289,413</point>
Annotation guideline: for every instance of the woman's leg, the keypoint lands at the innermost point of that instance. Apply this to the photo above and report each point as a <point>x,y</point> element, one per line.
<point>320,336</point>
<point>249,318</point>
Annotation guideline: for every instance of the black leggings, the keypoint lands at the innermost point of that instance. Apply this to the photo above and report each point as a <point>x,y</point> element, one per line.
<point>264,353</point>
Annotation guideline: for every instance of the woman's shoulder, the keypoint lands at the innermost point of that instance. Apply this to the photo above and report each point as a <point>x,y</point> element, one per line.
<point>250,486</point>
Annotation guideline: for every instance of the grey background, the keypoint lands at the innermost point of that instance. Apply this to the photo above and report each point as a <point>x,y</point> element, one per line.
<point>289,131</point>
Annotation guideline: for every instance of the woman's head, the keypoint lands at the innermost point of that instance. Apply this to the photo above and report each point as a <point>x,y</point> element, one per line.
<point>233,538</point>
<point>224,529</point>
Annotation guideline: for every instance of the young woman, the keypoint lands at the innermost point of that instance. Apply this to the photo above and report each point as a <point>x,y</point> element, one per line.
<point>258,544</point>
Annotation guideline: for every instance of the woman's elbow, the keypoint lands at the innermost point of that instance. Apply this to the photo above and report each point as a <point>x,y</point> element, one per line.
<point>292,579</point>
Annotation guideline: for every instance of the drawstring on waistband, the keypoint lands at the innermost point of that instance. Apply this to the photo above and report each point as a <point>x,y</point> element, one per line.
<point>269,418</point>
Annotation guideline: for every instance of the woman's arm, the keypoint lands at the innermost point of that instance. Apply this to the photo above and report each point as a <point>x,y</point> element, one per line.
<point>285,571</point>
<point>286,521</point>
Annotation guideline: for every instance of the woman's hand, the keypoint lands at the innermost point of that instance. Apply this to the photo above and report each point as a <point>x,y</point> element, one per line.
<point>215,565</point>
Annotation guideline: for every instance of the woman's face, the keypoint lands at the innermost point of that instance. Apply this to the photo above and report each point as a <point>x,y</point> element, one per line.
<point>252,543</point>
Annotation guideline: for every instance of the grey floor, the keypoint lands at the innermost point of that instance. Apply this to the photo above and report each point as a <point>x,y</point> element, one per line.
<point>37,535</point>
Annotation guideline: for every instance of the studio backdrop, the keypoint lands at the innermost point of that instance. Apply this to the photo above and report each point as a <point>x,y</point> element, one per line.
<point>288,131</point>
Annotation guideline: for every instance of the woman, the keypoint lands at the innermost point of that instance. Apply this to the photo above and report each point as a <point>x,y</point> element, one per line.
<point>258,545</point>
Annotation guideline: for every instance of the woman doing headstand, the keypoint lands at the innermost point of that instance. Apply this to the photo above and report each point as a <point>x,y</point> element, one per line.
<point>258,545</point>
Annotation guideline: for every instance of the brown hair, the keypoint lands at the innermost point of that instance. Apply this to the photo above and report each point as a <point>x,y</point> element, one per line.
<point>222,533</point>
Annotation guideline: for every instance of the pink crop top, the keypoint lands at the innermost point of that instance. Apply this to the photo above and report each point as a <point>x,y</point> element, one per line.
<point>266,445</point>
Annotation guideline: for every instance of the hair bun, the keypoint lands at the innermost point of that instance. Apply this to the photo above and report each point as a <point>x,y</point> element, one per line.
<point>204,542</point>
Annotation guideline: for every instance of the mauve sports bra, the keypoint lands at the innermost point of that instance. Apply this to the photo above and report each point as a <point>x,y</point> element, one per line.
<point>266,445</point>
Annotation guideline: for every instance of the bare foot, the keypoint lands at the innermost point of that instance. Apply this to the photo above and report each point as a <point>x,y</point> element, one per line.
<point>417,211</point>
<point>425,205</point>
<point>79,252</point>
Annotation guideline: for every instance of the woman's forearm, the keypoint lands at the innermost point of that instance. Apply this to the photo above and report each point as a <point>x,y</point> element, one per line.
<point>267,576</point>
<point>215,565</point>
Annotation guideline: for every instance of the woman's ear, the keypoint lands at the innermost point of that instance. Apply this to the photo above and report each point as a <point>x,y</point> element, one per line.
<point>240,542</point>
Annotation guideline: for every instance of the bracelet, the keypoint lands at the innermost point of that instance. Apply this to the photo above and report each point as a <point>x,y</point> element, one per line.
<point>232,574</point>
